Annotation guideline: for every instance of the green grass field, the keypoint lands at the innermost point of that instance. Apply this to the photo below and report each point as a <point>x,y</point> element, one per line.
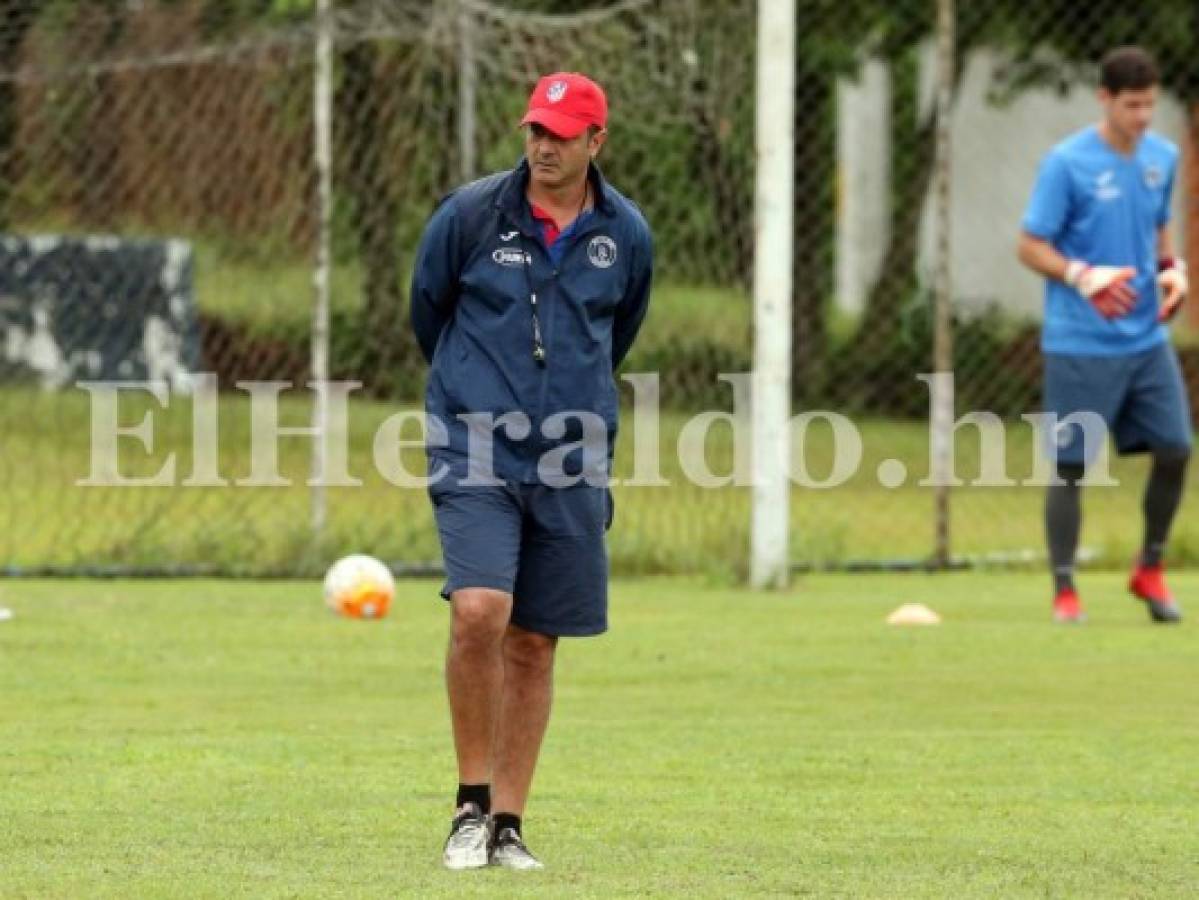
<point>232,739</point>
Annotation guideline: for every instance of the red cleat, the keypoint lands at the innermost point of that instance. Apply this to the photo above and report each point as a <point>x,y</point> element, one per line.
<point>1068,608</point>
<point>1148,583</point>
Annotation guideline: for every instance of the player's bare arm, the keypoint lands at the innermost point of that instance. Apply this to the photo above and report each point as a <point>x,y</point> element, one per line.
<point>1172,276</point>
<point>1106,287</point>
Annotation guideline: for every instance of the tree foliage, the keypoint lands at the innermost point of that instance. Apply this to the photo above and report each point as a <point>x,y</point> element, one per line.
<point>1061,42</point>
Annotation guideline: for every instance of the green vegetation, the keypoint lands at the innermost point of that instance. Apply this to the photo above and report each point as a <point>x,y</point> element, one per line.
<point>48,519</point>
<point>274,297</point>
<point>693,333</point>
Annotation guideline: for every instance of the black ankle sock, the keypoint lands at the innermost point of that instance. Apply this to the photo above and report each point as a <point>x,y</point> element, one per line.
<point>1063,581</point>
<point>475,793</point>
<point>506,820</point>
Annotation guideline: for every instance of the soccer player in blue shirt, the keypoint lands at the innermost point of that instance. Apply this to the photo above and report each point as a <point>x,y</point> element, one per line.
<point>1097,229</point>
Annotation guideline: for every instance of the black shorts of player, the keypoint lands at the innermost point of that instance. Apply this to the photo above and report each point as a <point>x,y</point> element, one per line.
<point>543,545</point>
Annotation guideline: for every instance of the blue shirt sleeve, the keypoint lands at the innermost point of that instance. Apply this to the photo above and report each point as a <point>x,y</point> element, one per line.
<point>1049,206</point>
<point>435,278</point>
<point>1163,214</point>
<point>631,310</point>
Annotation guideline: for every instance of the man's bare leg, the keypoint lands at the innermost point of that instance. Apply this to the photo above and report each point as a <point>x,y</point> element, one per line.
<point>524,714</point>
<point>474,675</point>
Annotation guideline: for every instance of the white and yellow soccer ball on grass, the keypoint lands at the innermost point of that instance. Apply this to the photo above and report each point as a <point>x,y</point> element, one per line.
<point>359,587</point>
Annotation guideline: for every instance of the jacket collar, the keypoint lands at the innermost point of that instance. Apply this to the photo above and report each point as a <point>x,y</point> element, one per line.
<point>511,197</point>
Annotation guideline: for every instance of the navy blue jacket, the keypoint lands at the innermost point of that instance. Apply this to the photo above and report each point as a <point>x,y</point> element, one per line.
<point>481,256</point>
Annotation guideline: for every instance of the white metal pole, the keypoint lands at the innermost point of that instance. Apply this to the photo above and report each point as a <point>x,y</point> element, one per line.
<point>774,179</point>
<point>467,78</point>
<point>942,412</point>
<point>323,151</point>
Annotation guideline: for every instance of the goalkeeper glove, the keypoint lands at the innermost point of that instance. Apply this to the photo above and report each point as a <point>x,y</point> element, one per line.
<point>1105,286</point>
<point>1172,279</point>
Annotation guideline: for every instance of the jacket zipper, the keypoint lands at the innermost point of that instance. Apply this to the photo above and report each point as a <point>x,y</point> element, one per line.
<point>550,310</point>
<point>547,312</point>
<point>555,269</point>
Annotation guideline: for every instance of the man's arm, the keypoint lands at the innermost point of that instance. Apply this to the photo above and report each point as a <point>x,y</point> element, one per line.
<point>1165,243</point>
<point>1045,219</point>
<point>1172,275</point>
<point>435,278</point>
<point>1106,287</point>
<point>1042,257</point>
<point>631,310</point>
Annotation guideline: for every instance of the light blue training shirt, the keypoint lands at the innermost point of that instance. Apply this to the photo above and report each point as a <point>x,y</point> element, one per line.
<point>1096,205</point>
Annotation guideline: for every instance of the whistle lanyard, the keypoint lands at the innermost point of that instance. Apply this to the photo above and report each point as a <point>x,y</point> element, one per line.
<point>539,351</point>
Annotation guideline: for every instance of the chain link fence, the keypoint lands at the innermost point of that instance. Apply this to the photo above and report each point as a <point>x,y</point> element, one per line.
<point>160,209</point>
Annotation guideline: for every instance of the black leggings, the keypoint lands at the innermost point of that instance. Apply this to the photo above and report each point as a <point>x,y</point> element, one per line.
<point>1063,511</point>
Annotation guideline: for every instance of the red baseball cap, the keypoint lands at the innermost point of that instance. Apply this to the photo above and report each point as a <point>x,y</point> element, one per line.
<point>566,103</point>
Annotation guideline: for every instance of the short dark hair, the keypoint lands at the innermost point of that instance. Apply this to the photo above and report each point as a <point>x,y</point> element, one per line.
<point>1128,69</point>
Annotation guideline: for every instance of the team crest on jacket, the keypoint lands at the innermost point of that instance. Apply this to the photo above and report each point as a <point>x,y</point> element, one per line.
<point>1154,177</point>
<point>601,251</point>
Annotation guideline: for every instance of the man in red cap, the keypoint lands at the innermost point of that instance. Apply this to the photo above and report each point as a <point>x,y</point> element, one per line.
<point>528,290</point>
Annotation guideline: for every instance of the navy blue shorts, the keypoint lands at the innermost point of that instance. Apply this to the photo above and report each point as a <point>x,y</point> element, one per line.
<point>1141,398</point>
<point>543,545</point>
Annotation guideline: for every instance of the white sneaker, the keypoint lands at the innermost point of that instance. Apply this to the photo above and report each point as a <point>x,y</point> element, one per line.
<point>466,847</point>
<point>510,852</point>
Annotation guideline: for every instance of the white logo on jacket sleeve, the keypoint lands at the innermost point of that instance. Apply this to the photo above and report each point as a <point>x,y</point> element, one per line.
<point>601,251</point>
<point>556,91</point>
<point>510,256</point>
